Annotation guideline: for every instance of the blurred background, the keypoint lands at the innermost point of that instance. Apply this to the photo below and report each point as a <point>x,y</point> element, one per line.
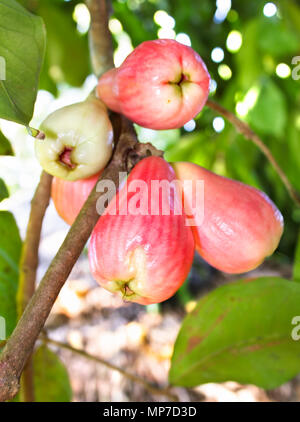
<point>251,50</point>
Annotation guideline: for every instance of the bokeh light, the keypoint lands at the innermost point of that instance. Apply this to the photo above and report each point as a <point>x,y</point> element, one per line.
<point>234,41</point>
<point>115,26</point>
<point>183,39</point>
<point>224,71</point>
<point>190,126</point>
<point>217,54</point>
<point>82,17</point>
<point>270,9</point>
<point>166,33</point>
<point>283,70</point>
<point>161,18</point>
<point>212,86</point>
<point>218,124</point>
<point>223,7</point>
<point>243,107</point>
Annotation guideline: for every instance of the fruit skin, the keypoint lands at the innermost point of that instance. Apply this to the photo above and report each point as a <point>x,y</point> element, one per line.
<point>69,197</point>
<point>145,258</point>
<point>162,84</point>
<point>107,89</point>
<point>241,225</point>
<point>79,140</point>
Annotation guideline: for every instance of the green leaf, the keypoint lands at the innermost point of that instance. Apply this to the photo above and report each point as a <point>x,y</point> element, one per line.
<point>10,251</point>
<point>5,146</point>
<point>277,39</point>
<point>249,68</point>
<point>51,379</point>
<point>3,191</point>
<point>22,41</point>
<point>269,115</point>
<point>67,53</point>
<point>240,332</point>
<point>296,270</point>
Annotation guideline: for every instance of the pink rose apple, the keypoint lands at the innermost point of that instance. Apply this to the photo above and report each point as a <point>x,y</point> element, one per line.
<point>162,84</point>
<point>141,251</point>
<point>241,225</point>
<point>69,197</point>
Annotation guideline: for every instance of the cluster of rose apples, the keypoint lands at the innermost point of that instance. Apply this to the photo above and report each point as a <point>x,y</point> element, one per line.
<point>146,256</point>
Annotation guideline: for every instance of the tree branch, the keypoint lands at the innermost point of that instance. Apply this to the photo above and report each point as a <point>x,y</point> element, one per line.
<point>20,345</point>
<point>29,258</point>
<point>245,130</point>
<point>148,386</point>
<point>101,50</point>
<point>28,267</point>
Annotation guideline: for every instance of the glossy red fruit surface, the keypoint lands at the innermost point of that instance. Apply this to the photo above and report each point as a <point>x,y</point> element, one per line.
<point>107,90</point>
<point>69,197</point>
<point>162,84</point>
<point>241,225</point>
<point>144,258</point>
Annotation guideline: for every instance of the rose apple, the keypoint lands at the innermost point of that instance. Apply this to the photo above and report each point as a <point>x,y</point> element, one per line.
<point>69,197</point>
<point>138,248</point>
<point>162,84</point>
<point>107,90</point>
<point>241,225</point>
<point>78,142</point>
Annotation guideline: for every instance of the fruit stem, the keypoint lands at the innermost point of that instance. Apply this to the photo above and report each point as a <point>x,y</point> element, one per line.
<point>164,391</point>
<point>248,133</point>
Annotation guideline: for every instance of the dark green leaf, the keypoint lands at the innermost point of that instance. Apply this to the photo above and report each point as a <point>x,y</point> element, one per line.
<point>10,250</point>
<point>5,146</point>
<point>51,379</point>
<point>22,40</point>
<point>240,332</point>
<point>3,191</point>
<point>296,270</point>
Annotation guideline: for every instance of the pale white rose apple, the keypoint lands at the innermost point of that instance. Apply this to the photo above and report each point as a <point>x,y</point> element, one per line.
<point>78,140</point>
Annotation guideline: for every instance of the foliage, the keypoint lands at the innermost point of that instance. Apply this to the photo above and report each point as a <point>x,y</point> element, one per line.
<point>3,191</point>
<point>240,332</point>
<point>5,147</point>
<point>10,250</point>
<point>51,380</point>
<point>22,49</point>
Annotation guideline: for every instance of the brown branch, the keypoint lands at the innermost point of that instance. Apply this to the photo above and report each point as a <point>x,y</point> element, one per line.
<point>29,257</point>
<point>148,386</point>
<point>28,268</point>
<point>20,345</point>
<point>245,130</point>
<point>101,50</point>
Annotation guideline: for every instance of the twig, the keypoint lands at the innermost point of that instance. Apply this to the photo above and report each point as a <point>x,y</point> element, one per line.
<point>245,130</point>
<point>28,268</point>
<point>148,386</point>
<point>101,50</point>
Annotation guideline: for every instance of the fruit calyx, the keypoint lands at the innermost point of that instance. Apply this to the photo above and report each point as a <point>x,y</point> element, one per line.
<point>182,78</point>
<point>127,292</point>
<point>66,158</point>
